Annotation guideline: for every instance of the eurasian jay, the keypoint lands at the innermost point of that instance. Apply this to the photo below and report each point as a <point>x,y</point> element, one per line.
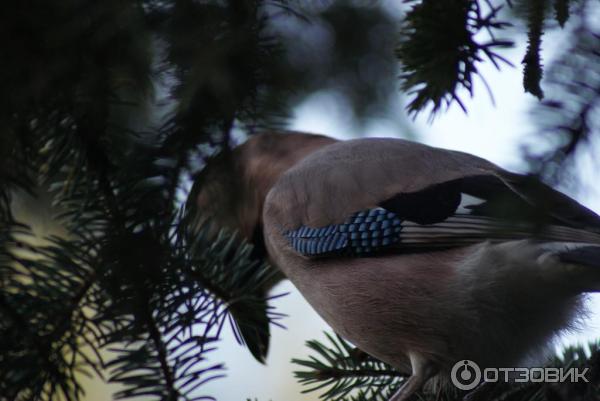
<point>419,256</point>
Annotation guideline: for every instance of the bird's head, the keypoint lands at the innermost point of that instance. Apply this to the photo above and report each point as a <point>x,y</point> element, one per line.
<point>232,188</point>
<point>229,194</point>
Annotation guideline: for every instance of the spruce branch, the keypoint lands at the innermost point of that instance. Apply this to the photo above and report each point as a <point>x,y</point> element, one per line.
<point>123,278</point>
<point>129,276</point>
<point>44,335</point>
<point>532,71</point>
<point>238,287</point>
<point>439,53</point>
<point>561,11</point>
<point>344,371</point>
<point>567,118</point>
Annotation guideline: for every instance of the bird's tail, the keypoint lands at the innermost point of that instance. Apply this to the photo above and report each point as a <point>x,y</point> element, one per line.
<point>462,229</point>
<point>538,267</point>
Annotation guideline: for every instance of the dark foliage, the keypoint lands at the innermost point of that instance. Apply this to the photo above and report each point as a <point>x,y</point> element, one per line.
<point>108,107</point>
<point>128,276</point>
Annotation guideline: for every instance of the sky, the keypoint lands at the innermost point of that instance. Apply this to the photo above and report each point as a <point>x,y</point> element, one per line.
<point>493,130</point>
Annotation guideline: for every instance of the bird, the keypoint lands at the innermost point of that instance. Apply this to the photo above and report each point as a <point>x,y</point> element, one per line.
<point>419,256</point>
<point>228,195</point>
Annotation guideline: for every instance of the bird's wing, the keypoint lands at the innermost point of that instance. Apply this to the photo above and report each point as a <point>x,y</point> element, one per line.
<point>369,195</point>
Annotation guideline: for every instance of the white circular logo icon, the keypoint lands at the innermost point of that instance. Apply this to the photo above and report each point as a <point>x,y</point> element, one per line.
<point>465,375</point>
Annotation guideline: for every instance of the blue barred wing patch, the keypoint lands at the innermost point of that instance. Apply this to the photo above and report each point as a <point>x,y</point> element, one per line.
<point>361,234</point>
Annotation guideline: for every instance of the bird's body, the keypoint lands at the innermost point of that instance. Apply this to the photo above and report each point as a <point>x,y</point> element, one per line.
<point>473,270</point>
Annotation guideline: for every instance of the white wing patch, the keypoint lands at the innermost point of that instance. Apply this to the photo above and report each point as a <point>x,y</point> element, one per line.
<point>466,202</point>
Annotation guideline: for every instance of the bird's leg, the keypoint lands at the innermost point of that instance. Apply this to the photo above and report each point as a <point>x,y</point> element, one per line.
<point>422,370</point>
